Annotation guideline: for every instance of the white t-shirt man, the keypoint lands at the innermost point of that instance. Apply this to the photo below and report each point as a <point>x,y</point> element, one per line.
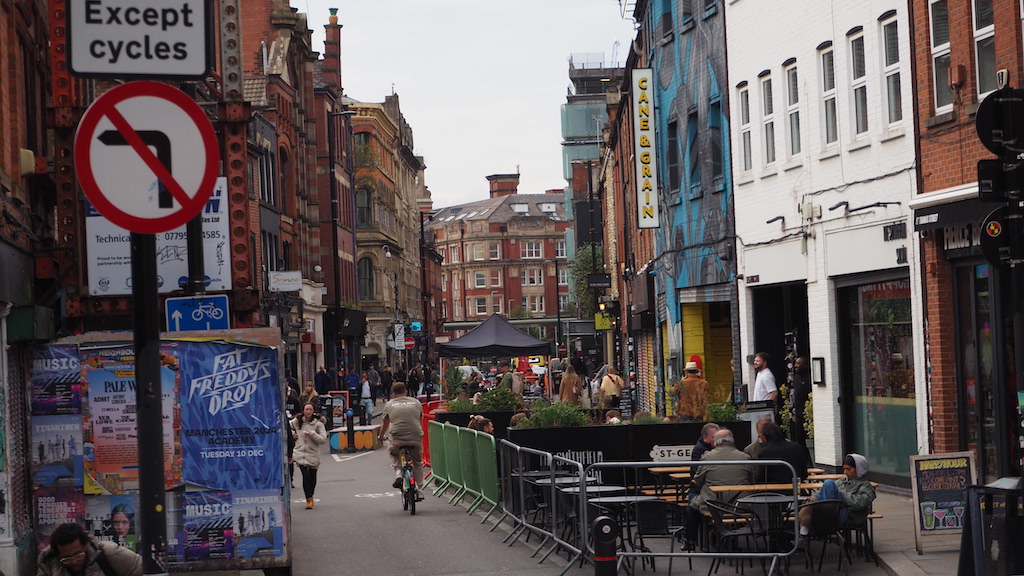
<point>764,382</point>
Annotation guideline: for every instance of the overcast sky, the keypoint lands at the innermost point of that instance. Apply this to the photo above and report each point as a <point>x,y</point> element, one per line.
<point>481,82</point>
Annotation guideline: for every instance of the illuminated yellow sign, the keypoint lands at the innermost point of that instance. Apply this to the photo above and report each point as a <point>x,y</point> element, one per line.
<point>602,321</point>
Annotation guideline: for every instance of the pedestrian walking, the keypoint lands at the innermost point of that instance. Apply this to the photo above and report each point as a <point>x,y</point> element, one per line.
<point>387,378</point>
<point>374,378</point>
<point>322,381</point>
<point>309,433</point>
<point>366,400</point>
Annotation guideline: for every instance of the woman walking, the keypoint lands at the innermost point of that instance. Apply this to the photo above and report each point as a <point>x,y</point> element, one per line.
<point>309,433</point>
<point>571,387</point>
<point>310,395</point>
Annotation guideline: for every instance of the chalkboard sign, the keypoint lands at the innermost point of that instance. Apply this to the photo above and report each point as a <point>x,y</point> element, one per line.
<point>940,484</point>
<point>626,404</point>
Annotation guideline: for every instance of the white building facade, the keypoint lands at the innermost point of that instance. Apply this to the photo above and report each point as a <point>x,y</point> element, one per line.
<point>823,158</point>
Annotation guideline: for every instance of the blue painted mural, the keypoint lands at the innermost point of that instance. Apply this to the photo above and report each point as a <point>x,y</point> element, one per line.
<point>697,235</point>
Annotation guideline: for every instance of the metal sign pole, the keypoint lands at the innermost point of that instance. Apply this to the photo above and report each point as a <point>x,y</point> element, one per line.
<point>148,408</point>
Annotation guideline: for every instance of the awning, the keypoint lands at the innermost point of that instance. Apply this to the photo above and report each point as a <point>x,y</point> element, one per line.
<point>961,212</point>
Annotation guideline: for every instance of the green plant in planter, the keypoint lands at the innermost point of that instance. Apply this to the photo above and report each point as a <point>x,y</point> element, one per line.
<point>500,400</point>
<point>809,416</point>
<point>453,382</point>
<point>724,412</point>
<point>553,415</point>
<point>787,409</point>
<point>648,419</point>
<point>456,405</point>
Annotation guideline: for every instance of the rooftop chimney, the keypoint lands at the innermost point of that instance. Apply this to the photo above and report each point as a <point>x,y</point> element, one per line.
<point>503,184</point>
<point>332,53</point>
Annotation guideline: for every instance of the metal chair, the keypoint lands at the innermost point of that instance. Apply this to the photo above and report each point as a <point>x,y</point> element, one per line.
<point>652,522</point>
<point>731,524</point>
<point>823,525</point>
<point>860,538</point>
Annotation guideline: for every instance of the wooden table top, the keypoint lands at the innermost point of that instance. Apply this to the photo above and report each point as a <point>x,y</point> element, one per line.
<point>787,487</point>
<point>668,469</point>
<point>820,477</point>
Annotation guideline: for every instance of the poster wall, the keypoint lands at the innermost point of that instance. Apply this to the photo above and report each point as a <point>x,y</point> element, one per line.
<point>222,444</point>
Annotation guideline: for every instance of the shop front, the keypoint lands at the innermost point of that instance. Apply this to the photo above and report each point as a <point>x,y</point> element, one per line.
<point>980,346</point>
<point>878,396</point>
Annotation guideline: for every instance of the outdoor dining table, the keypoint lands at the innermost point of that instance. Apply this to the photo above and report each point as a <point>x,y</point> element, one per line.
<point>668,469</point>
<point>605,489</point>
<point>771,510</point>
<point>672,472</point>
<point>619,507</point>
<point>821,477</point>
<point>561,480</point>
<point>781,487</point>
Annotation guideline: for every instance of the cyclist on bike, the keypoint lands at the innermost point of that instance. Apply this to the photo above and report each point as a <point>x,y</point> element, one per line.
<point>403,418</point>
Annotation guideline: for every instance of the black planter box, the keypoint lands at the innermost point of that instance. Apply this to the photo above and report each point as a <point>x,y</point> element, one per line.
<point>620,442</point>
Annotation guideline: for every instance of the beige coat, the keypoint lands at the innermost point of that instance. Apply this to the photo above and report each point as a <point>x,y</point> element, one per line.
<point>308,438</point>
<point>721,475</point>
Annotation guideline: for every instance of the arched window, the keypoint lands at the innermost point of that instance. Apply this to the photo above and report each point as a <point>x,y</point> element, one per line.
<point>365,275</point>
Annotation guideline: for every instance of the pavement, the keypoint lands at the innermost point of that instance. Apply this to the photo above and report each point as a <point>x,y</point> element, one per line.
<point>895,544</point>
<point>357,507</point>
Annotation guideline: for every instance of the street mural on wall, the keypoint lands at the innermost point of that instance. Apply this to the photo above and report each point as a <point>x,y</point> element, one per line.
<point>697,235</point>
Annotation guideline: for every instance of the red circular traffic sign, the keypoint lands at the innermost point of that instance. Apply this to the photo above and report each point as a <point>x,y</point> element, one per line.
<point>410,343</point>
<point>562,350</point>
<point>146,156</point>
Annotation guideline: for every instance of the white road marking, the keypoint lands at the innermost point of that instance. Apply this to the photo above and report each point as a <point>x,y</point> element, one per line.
<point>347,457</point>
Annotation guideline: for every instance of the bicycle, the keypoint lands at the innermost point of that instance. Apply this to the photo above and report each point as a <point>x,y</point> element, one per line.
<point>408,479</point>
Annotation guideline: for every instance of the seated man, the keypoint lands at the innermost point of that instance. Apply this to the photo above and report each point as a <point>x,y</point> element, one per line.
<point>709,475</point>
<point>754,448</point>
<point>776,447</point>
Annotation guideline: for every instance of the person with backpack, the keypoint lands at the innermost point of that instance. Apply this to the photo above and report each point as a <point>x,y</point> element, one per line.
<point>611,388</point>
<point>75,552</point>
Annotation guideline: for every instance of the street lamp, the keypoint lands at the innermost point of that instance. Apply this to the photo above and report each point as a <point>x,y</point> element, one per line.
<point>335,224</point>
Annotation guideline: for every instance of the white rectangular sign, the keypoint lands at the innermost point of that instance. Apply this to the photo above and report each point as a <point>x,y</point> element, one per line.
<point>671,453</point>
<point>644,149</point>
<point>286,280</point>
<point>110,260</point>
<point>156,38</point>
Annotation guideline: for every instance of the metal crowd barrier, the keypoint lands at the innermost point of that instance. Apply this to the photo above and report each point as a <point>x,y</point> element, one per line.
<point>527,493</point>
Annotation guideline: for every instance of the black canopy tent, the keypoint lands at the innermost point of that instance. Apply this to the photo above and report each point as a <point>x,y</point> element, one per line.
<point>495,337</point>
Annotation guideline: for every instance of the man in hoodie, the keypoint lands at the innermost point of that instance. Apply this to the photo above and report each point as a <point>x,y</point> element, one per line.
<point>72,551</point>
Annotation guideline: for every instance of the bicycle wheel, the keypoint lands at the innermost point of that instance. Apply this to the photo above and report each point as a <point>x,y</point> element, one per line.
<point>410,491</point>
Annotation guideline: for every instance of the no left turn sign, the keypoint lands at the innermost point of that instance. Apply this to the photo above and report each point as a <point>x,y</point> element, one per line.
<point>146,156</point>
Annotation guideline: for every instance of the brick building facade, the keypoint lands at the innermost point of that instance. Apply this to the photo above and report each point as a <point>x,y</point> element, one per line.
<point>958,47</point>
<point>504,255</point>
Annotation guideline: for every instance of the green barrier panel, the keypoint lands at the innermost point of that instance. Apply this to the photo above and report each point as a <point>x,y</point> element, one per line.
<point>438,463</point>
<point>470,473</point>
<point>453,460</point>
<point>487,464</point>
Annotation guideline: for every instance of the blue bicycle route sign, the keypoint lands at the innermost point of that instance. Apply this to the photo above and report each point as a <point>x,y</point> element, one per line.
<point>209,312</point>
